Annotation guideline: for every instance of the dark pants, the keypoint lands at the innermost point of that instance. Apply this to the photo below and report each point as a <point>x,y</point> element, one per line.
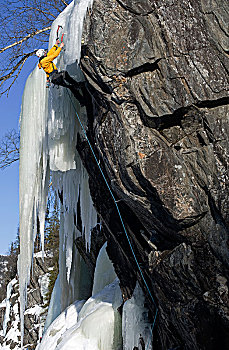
<point>63,79</point>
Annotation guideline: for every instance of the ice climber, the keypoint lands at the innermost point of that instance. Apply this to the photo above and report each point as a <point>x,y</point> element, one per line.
<point>53,76</point>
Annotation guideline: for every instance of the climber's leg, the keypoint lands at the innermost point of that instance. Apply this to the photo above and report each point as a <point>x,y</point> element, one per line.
<point>70,80</point>
<point>57,78</point>
<point>77,94</point>
<point>63,79</point>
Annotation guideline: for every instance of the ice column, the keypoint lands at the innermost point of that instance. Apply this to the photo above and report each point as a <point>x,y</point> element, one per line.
<point>136,328</point>
<point>33,174</point>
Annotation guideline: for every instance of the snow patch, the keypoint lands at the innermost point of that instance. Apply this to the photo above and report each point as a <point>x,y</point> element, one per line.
<point>44,284</point>
<point>8,305</point>
<point>35,310</point>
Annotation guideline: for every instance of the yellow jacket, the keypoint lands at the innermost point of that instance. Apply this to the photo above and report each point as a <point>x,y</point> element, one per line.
<point>47,62</point>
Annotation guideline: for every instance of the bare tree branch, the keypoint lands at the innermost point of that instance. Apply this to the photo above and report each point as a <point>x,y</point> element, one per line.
<point>21,62</point>
<point>31,35</point>
<point>45,13</point>
<point>9,149</point>
<point>64,2</point>
<point>19,71</point>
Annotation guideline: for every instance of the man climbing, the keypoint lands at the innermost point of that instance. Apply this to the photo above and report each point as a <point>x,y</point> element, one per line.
<point>58,78</point>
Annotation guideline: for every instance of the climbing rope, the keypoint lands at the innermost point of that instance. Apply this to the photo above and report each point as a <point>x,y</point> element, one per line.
<point>120,216</point>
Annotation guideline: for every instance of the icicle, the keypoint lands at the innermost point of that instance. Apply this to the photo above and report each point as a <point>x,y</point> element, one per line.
<point>88,213</point>
<point>69,184</point>
<point>33,163</point>
<point>55,304</point>
<point>104,271</point>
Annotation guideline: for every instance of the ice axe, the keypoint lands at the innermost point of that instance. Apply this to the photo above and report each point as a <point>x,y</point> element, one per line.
<point>57,34</point>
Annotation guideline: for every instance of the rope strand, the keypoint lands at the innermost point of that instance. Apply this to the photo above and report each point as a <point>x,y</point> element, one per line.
<point>120,216</point>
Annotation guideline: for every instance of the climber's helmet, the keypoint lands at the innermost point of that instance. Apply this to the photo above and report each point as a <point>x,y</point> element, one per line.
<point>40,53</point>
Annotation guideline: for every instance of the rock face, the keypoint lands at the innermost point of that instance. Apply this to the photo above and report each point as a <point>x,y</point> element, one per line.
<point>36,309</point>
<point>157,74</point>
<point>4,261</point>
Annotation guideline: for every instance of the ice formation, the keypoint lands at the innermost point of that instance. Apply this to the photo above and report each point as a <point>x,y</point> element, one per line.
<point>55,304</point>
<point>33,173</point>
<point>7,305</point>
<point>48,139</point>
<point>94,324</point>
<point>136,328</point>
<point>60,325</point>
<point>104,271</point>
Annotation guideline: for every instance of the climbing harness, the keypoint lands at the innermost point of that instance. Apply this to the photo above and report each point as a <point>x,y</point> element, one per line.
<point>57,34</point>
<point>120,216</point>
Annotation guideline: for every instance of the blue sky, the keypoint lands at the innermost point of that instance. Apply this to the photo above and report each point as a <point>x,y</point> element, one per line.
<point>9,119</point>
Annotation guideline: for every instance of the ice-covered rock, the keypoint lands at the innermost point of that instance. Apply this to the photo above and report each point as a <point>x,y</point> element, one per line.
<point>35,313</point>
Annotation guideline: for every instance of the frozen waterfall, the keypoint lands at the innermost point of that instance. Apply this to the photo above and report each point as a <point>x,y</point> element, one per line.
<point>48,142</point>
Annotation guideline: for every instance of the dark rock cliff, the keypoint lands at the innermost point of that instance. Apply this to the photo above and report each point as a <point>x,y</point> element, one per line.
<point>157,75</point>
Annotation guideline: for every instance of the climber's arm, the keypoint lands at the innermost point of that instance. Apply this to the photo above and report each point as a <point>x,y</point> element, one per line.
<point>52,56</point>
<point>52,50</point>
<point>53,53</point>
